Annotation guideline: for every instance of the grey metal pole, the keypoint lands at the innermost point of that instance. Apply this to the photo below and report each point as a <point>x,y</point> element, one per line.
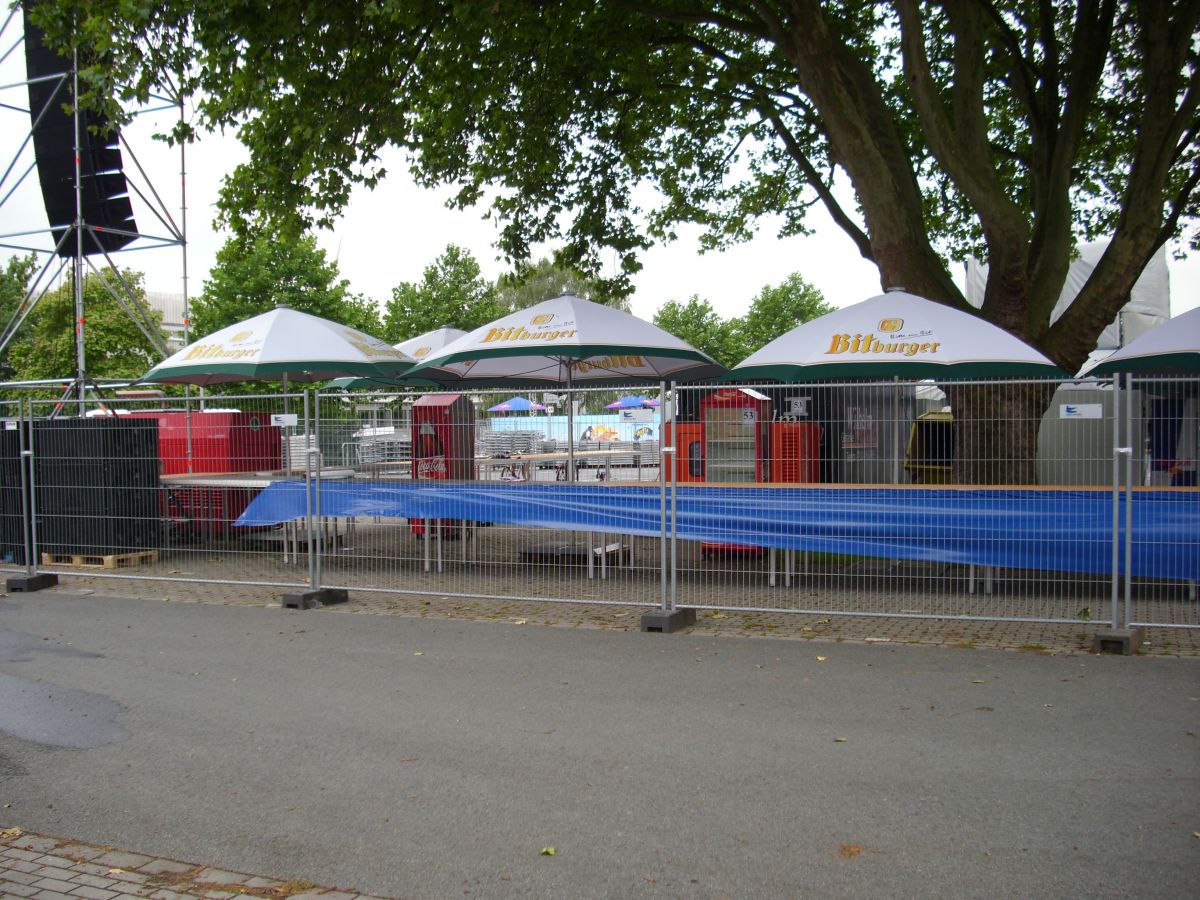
<point>674,601</point>
<point>308,495</point>
<point>80,360</point>
<point>25,457</point>
<point>1129,386</point>
<point>315,450</point>
<point>35,558</point>
<point>570,423</point>
<point>1118,450</point>
<point>666,456</point>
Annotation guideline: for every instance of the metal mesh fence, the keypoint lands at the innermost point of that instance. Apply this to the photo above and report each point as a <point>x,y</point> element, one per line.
<point>990,500</point>
<point>152,488</point>
<point>506,497</point>
<point>13,489</point>
<point>1164,433</point>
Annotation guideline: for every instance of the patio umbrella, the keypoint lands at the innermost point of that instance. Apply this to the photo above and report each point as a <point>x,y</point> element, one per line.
<point>566,341</point>
<point>417,347</point>
<point>632,403</point>
<point>1172,347</point>
<point>282,343</point>
<point>894,334</point>
<point>516,404</point>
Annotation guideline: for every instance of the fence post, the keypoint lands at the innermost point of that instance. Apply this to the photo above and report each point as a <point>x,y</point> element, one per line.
<point>32,580</point>
<point>1119,637</point>
<point>315,595</point>
<point>669,617</point>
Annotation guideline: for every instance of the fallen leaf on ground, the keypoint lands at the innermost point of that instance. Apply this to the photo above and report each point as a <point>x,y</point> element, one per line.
<point>549,851</point>
<point>840,740</point>
<point>11,832</point>
<point>419,653</point>
<point>520,622</point>
<point>822,658</point>
<point>849,850</point>
<point>978,681</point>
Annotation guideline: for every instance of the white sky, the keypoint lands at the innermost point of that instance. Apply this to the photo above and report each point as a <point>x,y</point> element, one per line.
<point>391,234</point>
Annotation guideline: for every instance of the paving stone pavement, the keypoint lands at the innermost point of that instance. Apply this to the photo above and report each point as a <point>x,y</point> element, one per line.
<point>41,867</point>
<point>1026,636</point>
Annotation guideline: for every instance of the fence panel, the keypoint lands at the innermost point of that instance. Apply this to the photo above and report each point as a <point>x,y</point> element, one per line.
<point>1164,420</point>
<point>972,499</point>
<point>151,488</point>
<point>441,496</point>
<point>13,486</point>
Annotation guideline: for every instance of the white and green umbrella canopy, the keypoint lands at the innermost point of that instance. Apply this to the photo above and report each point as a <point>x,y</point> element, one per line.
<point>894,334</point>
<point>566,341</point>
<point>1170,348</point>
<point>417,348</point>
<point>282,343</point>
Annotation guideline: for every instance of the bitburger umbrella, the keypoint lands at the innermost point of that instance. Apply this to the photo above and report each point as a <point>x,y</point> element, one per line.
<point>282,343</point>
<point>894,334</point>
<point>1170,348</point>
<point>418,348</point>
<point>567,341</point>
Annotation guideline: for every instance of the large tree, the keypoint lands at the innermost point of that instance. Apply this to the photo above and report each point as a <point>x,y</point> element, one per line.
<point>1005,128</point>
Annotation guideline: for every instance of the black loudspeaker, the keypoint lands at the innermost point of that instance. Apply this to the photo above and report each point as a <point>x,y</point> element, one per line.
<point>97,485</point>
<point>104,190</point>
<point>12,506</point>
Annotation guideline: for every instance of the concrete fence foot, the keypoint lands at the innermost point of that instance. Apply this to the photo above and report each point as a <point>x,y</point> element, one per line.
<point>21,584</point>
<point>315,599</point>
<point>1124,641</point>
<point>666,622</point>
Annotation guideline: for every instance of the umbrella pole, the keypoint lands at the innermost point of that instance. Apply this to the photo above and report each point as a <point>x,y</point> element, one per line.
<point>570,424</point>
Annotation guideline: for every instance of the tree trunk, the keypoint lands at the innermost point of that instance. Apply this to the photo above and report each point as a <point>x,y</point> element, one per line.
<point>996,431</point>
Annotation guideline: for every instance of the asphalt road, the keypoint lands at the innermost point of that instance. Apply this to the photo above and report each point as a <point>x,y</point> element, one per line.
<point>434,758</point>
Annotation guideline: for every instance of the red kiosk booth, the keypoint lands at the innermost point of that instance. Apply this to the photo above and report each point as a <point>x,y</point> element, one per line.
<point>443,445</point>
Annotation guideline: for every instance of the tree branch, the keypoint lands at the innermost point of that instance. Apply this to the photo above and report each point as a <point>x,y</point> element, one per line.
<point>813,177</point>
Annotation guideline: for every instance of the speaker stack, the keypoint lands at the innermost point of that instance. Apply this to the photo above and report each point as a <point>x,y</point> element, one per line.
<point>103,188</point>
<point>98,489</point>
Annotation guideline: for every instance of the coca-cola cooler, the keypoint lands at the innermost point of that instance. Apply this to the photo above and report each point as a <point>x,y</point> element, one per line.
<point>443,444</point>
<point>737,436</point>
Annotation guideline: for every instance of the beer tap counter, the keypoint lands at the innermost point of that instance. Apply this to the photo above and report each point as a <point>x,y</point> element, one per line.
<point>1046,528</point>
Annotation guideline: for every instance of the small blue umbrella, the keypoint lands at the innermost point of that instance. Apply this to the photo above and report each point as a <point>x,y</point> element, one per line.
<point>632,403</point>
<point>516,404</point>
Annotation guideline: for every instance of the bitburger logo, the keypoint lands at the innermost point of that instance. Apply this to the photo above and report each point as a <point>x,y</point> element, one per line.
<point>240,336</point>
<point>891,325</point>
<point>543,319</point>
<point>421,351</point>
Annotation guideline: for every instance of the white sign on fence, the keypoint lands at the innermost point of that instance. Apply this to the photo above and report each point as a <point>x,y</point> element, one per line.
<point>284,419</point>
<point>1081,410</point>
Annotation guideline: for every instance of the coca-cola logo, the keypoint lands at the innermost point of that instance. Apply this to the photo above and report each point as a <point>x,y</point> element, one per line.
<point>435,465</point>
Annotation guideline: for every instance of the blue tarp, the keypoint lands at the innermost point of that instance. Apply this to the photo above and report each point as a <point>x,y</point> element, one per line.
<point>1057,530</point>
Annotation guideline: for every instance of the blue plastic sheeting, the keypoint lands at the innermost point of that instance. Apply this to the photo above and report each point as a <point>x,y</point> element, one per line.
<point>1057,530</point>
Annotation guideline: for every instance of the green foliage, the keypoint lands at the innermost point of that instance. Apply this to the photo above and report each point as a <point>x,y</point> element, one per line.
<point>115,348</point>
<point>780,309</point>
<point>545,279</point>
<point>451,293</point>
<point>729,341</point>
<point>257,271</point>
<point>699,324</point>
<point>1008,129</point>
<point>14,284</point>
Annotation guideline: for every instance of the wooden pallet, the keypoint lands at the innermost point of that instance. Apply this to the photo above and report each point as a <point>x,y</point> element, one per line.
<point>97,561</point>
